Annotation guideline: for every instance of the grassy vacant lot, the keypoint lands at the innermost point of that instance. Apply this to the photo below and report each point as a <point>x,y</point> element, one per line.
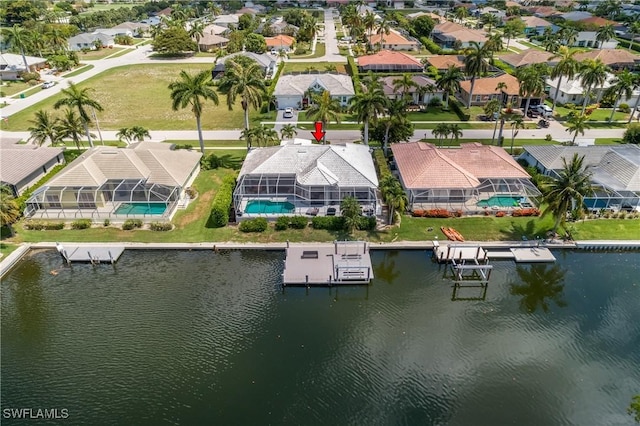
<point>320,50</point>
<point>307,66</point>
<point>138,95</point>
<point>98,54</point>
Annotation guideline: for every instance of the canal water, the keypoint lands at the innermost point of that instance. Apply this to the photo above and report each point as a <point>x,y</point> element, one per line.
<point>178,337</point>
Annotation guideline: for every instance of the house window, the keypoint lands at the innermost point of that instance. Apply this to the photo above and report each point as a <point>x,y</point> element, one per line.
<point>343,99</point>
<point>573,98</point>
<point>478,98</point>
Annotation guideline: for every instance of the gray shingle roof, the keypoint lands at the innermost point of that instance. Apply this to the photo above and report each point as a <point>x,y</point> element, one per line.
<point>341,165</point>
<point>336,84</point>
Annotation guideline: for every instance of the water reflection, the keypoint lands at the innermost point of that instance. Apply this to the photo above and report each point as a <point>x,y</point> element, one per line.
<point>386,269</point>
<point>541,284</point>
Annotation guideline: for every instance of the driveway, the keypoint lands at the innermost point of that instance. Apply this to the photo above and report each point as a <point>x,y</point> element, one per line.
<point>332,53</point>
<point>281,121</point>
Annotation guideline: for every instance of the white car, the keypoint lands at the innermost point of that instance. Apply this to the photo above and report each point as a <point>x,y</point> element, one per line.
<point>288,113</point>
<point>544,110</point>
<point>48,84</point>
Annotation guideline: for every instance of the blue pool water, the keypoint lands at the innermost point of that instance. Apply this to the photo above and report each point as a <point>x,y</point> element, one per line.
<point>266,206</point>
<point>499,201</point>
<point>141,208</point>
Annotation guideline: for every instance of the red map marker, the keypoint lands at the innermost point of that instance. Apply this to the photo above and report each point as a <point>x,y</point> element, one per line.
<point>319,133</point>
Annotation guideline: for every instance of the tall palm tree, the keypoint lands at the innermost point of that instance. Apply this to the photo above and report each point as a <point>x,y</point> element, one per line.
<point>369,22</point>
<point>394,195</point>
<point>18,38</point>
<point>634,30</point>
<point>577,124</point>
<point>495,43</point>
<point>197,32</point>
<point>636,85</point>
<point>492,109</point>
<point>37,42</point>
<point>539,283</point>
<point>516,124</point>
<point>605,33</point>
<point>567,66</point>
<point>551,43</point>
<point>56,39</point>
<point>367,106</point>
<point>44,128</point>
<point>490,20</point>
<point>461,13</point>
<point>593,74</point>
<point>396,112</point>
<point>324,109</point>
<point>621,85</point>
<point>80,100</point>
<point>475,64</point>
<point>449,81</point>
<point>245,82</point>
<point>441,131</point>
<point>193,90</point>
<point>9,209</point>
<point>70,126</point>
<point>568,190</point>
<point>532,83</point>
<point>383,28</point>
<point>404,83</point>
<point>568,36</point>
<point>288,131</point>
<point>455,131</point>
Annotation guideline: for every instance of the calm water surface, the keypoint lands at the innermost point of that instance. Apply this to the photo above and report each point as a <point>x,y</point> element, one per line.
<point>202,338</point>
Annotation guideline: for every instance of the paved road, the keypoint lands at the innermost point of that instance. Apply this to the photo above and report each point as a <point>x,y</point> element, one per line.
<point>332,53</point>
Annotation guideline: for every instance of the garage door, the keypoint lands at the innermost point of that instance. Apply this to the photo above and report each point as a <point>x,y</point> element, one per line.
<point>288,102</point>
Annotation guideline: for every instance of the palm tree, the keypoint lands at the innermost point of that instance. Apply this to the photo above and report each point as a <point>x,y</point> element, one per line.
<point>139,133</point>
<point>634,29</point>
<point>18,38</point>
<point>124,133</point>
<point>568,36</point>
<point>264,136</point>
<point>197,32</point>
<point>475,64</point>
<point>636,85</point>
<point>461,13</point>
<point>351,212</point>
<point>396,111</point>
<point>605,33</point>
<point>393,194</point>
<point>490,20</point>
<point>551,43</point>
<point>621,85</point>
<point>404,83</point>
<point>540,282</point>
<point>567,66</point>
<point>249,135</point>
<point>44,128</point>
<point>37,42</point>
<point>367,105</point>
<point>245,82</point>
<point>193,90</point>
<point>441,131</point>
<point>383,28</point>
<point>516,124</point>
<point>324,109</point>
<point>495,43</point>
<point>288,131</point>
<point>532,83</point>
<point>568,190</point>
<point>492,109</point>
<point>449,81</point>
<point>70,126</point>
<point>369,22</point>
<point>577,124</point>
<point>9,209</point>
<point>500,88</point>
<point>593,74</point>
<point>75,97</point>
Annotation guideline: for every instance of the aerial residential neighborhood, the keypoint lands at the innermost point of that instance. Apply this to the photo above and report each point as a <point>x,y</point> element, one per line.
<point>479,131</point>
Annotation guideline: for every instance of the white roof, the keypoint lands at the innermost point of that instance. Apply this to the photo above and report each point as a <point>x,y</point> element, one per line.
<point>14,61</point>
<point>226,19</point>
<point>340,165</point>
<point>336,84</point>
<point>574,87</point>
<point>19,161</point>
<point>153,162</point>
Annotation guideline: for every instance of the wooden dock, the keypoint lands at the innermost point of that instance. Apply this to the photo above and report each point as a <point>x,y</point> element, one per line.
<point>447,253</point>
<point>90,253</point>
<point>460,252</point>
<point>532,254</point>
<point>329,264</point>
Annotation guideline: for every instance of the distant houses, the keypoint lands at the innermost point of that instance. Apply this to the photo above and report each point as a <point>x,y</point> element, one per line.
<point>450,35</point>
<point>21,166</point>
<point>266,62</point>
<point>90,41</point>
<point>295,91</point>
<point>393,41</point>
<point>422,92</point>
<point>281,42</point>
<point>486,89</point>
<point>12,65</point>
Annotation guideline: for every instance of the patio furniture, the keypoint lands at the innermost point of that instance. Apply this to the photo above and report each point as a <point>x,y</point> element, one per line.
<point>312,211</point>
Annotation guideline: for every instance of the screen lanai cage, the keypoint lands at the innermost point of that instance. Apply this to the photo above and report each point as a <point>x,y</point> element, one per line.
<point>116,198</point>
<point>604,198</point>
<point>494,193</point>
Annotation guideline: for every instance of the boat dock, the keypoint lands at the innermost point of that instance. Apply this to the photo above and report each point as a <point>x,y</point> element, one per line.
<point>343,262</point>
<point>465,252</point>
<point>90,253</point>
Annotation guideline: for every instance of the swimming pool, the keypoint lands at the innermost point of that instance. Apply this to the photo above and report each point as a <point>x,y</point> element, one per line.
<point>500,201</point>
<point>266,206</point>
<point>141,208</point>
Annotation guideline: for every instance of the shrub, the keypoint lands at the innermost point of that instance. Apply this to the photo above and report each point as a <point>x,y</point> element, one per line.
<point>130,224</point>
<point>298,222</point>
<point>366,223</point>
<point>525,212</point>
<point>300,51</point>
<point>569,105</point>
<point>455,106</point>
<point>160,226</point>
<point>548,137</point>
<point>624,108</point>
<point>380,161</point>
<point>430,45</point>
<point>29,76</point>
<point>191,192</point>
<point>259,224</point>
<point>632,134</point>
<point>282,223</point>
<point>210,162</point>
<point>106,222</point>
<point>435,102</point>
<point>330,223</point>
<point>500,214</point>
<point>81,224</point>
<point>43,225</point>
<point>219,216</point>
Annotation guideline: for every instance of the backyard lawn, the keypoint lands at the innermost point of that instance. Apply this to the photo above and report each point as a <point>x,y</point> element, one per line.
<point>309,66</point>
<point>138,95</point>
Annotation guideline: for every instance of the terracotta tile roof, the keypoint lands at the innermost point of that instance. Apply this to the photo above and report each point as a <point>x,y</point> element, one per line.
<point>442,62</point>
<point>388,57</point>
<point>609,56</point>
<point>419,80</point>
<point>534,21</point>
<point>280,40</point>
<point>486,161</point>
<point>487,86</point>
<point>526,57</point>
<point>542,10</point>
<point>393,37</point>
<point>457,31</point>
<point>598,21</point>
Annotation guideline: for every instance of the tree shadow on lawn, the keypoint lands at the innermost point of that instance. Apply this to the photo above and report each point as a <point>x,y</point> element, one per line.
<point>229,161</point>
<point>518,231</point>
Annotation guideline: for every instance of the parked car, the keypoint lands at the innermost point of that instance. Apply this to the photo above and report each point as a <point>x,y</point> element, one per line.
<point>288,113</point>
<point>48,84</point>
<point>544,110</point>
<point>532,113</point>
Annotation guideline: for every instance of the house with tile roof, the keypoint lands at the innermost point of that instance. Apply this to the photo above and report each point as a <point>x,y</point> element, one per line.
<point>541,11</point>
<point>528,57</point>
<point>11,65</point>
<point>615,171</point>
<point>436,18</point>
<point>616,59</point>
<point>450,34</point>
<point>266,62</point>
<point>22,165</point>
<point>394,41</point>
<point>443,62</point>
<point>423,91</point>
<point>459,178</point>
<point>389,61</point>
<point>306,176</point>
<point>534,25</point>
<point>486,89</point>
<point>280,42</point>
<point>294,91</point>
<point>146,180</point>
<point>208,42</point>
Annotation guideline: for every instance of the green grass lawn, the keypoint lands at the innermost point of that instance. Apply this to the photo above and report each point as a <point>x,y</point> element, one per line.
<point>101,7</point>
<point>608,141</point>
<point>120,53</point>
<point>10,88</point>
<point>137,95</point>
<point>210,143</point>
<point>306,66</point>
<point>6,248</point>
<point>29,92</point>
<point>98,54</point>
<point>600,114</point>
<point>320,51</point>
<point>530,45</point>
<point>79,70</point>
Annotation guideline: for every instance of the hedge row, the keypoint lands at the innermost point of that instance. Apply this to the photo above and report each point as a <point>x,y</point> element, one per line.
<point>352,70</point>
<point>336,223</point>
<point>455,106</point>
<point>259,224</point>
<point>295,222</point>
<point>430,45</point>
<point>81,224</point>
<point>219,216</point>
<point>43,226</point>
<point>380,161</point>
